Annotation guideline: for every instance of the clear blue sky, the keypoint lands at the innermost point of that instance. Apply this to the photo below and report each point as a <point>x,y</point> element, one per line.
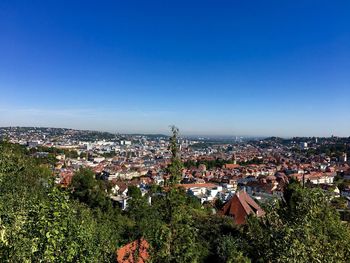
<point>210,67</point>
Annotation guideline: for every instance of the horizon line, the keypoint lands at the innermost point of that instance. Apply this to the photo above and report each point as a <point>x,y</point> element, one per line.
<point>183,134</point>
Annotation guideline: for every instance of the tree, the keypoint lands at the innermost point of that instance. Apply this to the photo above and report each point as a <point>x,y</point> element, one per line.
<point>175,239</point>
<point>175,167</point>
<point>134,192</point>
<point>228,251</point>
<point>304,227</point>
<point>40,223</point>
<point>57,232</point>
<point>90,191</point>
<point>340,202</point>
<point>211,230</point>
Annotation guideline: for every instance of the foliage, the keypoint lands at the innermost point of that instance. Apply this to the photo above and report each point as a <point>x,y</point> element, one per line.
<point>176,238</point>
<point>168,224</point>
<point>218,163</point>
<point>211,230</point>
<point>229,251</point>
<point>175,168</point>
<point>302,228</point>
<point>90,191</point>
<point>340,203</point>
<point>40,223</point>
<point>252,161</point>
<point>209,164</point>
<point>134,192</point>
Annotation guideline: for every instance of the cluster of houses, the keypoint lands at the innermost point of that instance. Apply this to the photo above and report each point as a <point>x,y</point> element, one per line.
<point>245,175</point>
<point>264,180</point>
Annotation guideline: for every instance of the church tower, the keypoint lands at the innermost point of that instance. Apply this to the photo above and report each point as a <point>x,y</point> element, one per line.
<point>234,159</point>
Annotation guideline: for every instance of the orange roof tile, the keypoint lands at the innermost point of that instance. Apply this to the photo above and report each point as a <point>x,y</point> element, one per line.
<point>207,185</point>
<point>134,252</point>
<point>240,206</point>
<point>231,166</point>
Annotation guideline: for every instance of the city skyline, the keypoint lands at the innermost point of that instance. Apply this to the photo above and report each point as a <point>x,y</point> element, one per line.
<point>268,69</point>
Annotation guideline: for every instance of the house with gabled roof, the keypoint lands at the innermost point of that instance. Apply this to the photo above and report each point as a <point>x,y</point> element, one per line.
<point>240,206</point>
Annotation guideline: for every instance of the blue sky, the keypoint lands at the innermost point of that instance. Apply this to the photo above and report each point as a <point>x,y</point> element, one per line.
<point>210,67</point>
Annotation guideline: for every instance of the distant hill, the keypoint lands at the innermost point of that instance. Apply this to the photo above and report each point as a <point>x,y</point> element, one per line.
<point>76,134</point>
<point>148,135</point>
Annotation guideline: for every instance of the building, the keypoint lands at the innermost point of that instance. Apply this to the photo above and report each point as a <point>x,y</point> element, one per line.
<point>304,145</point>
<point>344,158</point>
<point>320,178</point>
<point>240,206</point>
<point>231,166</point>
<point>134,252</point>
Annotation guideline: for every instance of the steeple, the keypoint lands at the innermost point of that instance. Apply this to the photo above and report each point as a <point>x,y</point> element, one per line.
<point>234,158</point>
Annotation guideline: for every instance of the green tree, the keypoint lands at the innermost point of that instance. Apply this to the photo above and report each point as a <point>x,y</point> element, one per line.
<point>211,230</point>
<point>134,192</point>
<point>176,238</point>
<point>176,165</point>
<point>40,223</point>
<point>340,202</point>
<point>228,251</point>
<point>90,191</point>
<point>302,228</point>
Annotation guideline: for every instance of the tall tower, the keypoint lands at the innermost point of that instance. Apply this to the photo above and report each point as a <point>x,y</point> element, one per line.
<point>234,159</point>
<point>344,158</point>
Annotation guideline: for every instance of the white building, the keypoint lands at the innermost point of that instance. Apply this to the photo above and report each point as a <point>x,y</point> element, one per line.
<point>304,145</point>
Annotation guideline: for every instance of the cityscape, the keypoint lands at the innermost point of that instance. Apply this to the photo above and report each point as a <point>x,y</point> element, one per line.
<point>213,169</point>
<point>235,178</point>
<point>174,131</point>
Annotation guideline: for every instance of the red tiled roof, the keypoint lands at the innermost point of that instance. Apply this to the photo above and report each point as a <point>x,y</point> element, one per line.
<point>231,166</point>
<point>66,178</point>
<point>207,185</point>
<point>134,252</point>
<point>240,206</point>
